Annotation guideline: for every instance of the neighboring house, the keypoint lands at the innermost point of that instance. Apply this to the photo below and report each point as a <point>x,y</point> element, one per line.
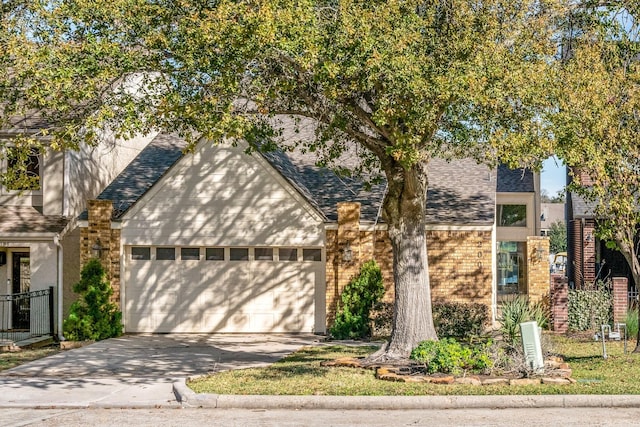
<point>227,242</point>
<point>589,258</point>
<point>550,213</point>
<point>222,241</point>
<point>39,238</point>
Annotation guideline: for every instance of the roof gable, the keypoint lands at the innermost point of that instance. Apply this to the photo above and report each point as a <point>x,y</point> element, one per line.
<point>460,191</point>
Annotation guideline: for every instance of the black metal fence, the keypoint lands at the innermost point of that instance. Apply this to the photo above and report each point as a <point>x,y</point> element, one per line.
<point>26,315</point>
<point>633,298</point>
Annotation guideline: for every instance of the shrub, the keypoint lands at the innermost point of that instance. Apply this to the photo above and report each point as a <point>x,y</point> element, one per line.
<point>589,309</point>
<point>93,316</point>
<point>519,310</point>
<point>460,320</point>
<point>632,323</point>
<point>449,356</point>
<point>357,300</point>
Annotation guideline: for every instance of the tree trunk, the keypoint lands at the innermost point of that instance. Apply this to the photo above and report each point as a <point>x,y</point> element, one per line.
<point>405,209</point>
<point>629,252</point>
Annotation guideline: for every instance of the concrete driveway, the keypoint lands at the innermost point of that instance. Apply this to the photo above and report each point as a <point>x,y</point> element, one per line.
<point>170,355</point>
<point>136,370</point>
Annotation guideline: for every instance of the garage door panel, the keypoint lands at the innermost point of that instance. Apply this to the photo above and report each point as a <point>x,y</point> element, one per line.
<point>221,296</point>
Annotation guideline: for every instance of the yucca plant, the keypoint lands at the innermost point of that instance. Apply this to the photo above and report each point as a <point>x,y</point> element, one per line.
<point>519,310</point>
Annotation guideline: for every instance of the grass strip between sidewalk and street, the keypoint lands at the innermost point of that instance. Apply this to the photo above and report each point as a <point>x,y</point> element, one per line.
<point>301,374</point>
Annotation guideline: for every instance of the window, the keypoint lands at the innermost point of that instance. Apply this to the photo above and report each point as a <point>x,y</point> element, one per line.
<point>164,254</point>
<point>288,254</point>
<point>263,254</point>
<point>23,169</point>
<point>239,254</point>
<point>512,215</point>
<point>511,268</point>
<point>141,253</point>
<point>190,254</point>
<point>312,254</point>
<point>214,254</point>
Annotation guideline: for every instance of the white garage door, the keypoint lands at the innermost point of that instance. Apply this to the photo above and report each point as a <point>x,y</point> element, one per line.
<point>187,289</point>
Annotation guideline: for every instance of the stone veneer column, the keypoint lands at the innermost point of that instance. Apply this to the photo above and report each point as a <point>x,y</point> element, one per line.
<point>538,268</point>
<point>339,271</point>
<point>620,296</point>
<point>559,303</point>
<point>99,229</point>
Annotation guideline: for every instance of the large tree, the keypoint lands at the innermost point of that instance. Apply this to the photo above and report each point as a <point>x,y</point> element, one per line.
<point>398,82</point>
<point>598,119</point>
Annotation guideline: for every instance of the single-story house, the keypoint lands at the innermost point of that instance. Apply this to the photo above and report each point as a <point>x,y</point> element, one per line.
<point>221,241</point>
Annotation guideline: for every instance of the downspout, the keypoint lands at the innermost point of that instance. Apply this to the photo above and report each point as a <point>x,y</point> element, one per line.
<point>59,253</point>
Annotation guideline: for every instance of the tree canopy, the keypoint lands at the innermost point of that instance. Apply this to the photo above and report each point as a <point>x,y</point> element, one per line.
<point>399,81</point>
<point>598,119</point>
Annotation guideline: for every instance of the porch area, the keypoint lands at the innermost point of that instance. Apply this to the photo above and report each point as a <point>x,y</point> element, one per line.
<point>26,318</point>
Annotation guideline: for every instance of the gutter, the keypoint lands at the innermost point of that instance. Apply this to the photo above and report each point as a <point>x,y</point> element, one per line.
<point>59,286</point>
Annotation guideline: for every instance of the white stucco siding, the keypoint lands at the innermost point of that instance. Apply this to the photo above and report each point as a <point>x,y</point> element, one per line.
<point>222,196</point>
<point>91,169</point>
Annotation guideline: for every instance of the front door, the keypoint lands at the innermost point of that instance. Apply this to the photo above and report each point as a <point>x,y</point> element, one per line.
<point>21,282</point>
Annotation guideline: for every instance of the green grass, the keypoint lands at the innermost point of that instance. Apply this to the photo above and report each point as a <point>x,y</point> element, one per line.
<point>12,359</point>
<point>301,374</point>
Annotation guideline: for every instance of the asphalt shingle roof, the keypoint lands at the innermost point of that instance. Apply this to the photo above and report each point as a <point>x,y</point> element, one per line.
<point>142,173</point>
<point>460,191</point>
<point>515,180</point>
<point>27,219</point>
<point>581,208</point>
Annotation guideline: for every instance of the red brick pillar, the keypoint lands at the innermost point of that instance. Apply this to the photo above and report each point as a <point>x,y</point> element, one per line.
<point>620,302</point>
<point>559,303</point>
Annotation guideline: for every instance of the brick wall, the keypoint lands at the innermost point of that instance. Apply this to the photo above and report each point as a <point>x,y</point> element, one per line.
<point>538,268</point>
<point>459,261</point>
<point>99,230</point>
<point>460,265</point>
<point>620,302</point>
<point>559,303</point>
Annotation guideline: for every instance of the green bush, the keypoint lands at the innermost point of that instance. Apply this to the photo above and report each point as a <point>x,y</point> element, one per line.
<point>93,316</point>
<point>451,357</point>
<point>357,300</point>
<point>589,309</point>
<point>519,310</point>
<point>459,320</point>
<point>632,323</point>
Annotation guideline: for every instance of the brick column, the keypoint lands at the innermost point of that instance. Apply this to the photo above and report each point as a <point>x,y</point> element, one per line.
<point>559,303</point>
<point>99,229</point>
<point>347,237</point>
<point>538,268</point>
<point>589,252</point>
<point>620,295</point>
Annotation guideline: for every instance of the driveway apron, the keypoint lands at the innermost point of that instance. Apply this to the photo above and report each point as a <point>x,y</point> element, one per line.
<point>136,370</point>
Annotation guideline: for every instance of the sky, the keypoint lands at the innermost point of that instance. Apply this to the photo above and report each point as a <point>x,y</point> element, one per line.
<point>553,176</point>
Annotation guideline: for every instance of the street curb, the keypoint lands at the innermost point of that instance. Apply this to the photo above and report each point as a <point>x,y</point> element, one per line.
<point>189,398</point>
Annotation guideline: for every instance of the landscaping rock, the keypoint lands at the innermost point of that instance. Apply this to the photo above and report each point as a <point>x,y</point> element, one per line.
<point>349,362</point>
<point>468,381</point>
<point>70,345</point>
<point>495,381</point>
<point>524,381</point>
<point>445,379</point>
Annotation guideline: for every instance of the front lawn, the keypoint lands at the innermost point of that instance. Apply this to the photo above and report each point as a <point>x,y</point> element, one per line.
<point>301,374</point>
<point>12,359</point>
